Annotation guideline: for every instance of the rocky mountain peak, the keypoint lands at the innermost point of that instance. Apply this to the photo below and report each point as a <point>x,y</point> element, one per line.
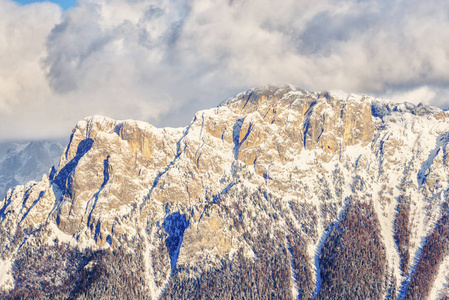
<point>308,120</point>
<point>275,180</point>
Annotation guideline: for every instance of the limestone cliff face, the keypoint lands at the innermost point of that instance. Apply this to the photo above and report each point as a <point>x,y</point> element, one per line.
<point>305,120</point>
<point>273,177</point>
<point>105,171</point>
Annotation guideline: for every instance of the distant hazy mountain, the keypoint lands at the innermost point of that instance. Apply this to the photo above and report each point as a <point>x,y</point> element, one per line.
<point>24,162</point>
<point>277,193</point>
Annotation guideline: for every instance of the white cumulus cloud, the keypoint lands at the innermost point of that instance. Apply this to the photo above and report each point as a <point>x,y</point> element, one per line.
<point>161,60</point>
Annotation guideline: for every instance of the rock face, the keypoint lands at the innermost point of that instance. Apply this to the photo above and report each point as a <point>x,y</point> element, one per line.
<point>277,193</point>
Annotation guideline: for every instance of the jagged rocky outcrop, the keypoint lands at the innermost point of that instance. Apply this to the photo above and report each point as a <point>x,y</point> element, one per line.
<point>277,193</point>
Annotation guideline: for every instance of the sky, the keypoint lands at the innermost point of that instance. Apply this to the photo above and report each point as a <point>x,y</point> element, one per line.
<point>64,4</point>
<point>162,60</point>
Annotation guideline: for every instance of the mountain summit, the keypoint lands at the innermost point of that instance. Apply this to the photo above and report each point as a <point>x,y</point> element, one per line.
<point>277,193</point>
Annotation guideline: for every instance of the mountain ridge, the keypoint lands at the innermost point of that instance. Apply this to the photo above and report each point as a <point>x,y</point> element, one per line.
<point>274,177</point>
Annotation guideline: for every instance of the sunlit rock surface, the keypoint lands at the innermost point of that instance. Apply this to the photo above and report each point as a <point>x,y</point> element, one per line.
<point>277,193</point>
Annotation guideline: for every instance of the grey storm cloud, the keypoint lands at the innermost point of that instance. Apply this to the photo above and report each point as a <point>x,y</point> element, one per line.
<point>161,60</point>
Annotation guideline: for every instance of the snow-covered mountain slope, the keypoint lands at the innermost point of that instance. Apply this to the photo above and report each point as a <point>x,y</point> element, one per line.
<point>23,162</point>
<point>277,193</point>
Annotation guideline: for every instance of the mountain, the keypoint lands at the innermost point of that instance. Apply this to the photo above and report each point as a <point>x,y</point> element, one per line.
<point>23,162</point>
<point>277,193</point>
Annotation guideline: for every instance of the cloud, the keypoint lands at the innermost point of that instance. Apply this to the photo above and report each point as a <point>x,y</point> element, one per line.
<point>23,31</point>
<point>161,60</point>
<point>429,95</point>
<point>23,86</point>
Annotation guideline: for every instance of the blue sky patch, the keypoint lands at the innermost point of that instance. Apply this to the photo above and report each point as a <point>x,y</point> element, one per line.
<point>63,3</point>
